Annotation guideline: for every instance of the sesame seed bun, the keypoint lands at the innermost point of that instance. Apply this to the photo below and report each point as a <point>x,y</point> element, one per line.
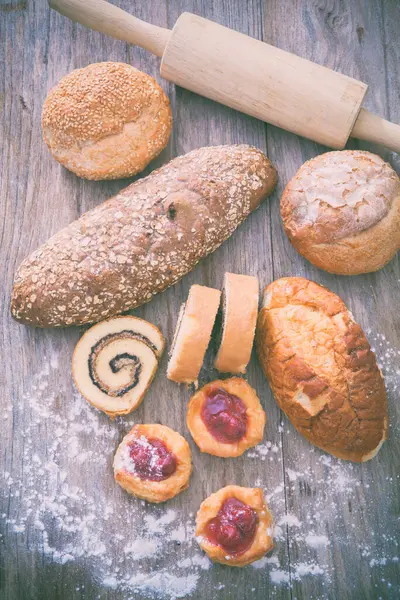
<point>106,121</point>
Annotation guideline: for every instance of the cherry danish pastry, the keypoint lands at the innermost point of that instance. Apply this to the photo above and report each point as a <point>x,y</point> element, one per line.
<point>153,462</point>
<point>234,526</point>
<point>225,417</point>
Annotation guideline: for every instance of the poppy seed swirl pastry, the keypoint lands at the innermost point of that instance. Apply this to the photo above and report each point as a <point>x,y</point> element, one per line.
<point>234,526</point>
<point>341,211</point>
<point>225,417</point>
<point>153,462</point>
<point>115,361</point>
<point>321,369</point>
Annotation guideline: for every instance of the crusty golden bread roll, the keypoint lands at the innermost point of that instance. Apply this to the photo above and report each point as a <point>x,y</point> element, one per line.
<point>121,253</point>
<point>106,121</point>
<point>321,369</point>
<point>192,334</point>
<point>240,310</point>
<point>341,211</point>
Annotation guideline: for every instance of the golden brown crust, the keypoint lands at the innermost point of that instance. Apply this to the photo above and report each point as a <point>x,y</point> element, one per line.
<point>341,211</point>
<point>118,255</point>
<point>262,542</point>
<point>154,491</point>
<point>193,334</point>
<point>321,369</point>
<point>240,308</point>
<point>102,345</point>
<point>256,418</point>
<point>106,121</point>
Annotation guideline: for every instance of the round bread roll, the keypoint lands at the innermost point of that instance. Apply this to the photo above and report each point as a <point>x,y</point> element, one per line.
<point>106,121</point>
<point>341,211</point>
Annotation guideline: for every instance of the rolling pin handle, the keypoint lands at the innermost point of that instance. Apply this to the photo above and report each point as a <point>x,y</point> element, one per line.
<point>113,21</point>
<point>372,128</point>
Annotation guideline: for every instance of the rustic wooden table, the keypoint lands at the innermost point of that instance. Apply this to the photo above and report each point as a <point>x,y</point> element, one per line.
<point>66,530</point>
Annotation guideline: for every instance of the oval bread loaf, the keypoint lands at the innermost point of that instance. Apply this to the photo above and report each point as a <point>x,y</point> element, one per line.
<point>321,369</point>
<point>118,255</point>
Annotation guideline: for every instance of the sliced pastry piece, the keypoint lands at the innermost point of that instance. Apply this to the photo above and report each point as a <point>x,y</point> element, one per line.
<point>192,334</point>
<point>234,526</point>
<point>225,417</point>
<point>153,462</point>
<point>240,310</point>
<point>115,362</point>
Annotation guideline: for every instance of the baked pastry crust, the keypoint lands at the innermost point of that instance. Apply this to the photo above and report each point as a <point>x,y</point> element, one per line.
<point>256,418</point>
<point>192,334</point>
<point>262,542</point>
<point>341,211</point>
<point>154,491</point>
<point>118,354</point>
<point>106,121</point>
<point>240,310</point>
<point>321,369</point>
<point>143,240</point>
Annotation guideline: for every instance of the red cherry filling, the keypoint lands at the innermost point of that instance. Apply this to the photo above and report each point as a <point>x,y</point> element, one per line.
<point>224,416</point>
<point>234,527</point>
<point>152,459</point>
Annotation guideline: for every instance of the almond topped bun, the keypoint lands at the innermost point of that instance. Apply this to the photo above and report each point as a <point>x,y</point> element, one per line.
<point>106,121</point>
<point>341,211</point>
<point>321,369</point>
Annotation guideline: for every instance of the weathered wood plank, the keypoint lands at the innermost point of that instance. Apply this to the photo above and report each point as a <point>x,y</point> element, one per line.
<point>354,507</point>
<point>328,497</point>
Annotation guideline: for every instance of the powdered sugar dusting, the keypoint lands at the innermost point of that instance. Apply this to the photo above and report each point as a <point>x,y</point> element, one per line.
<point>152,552</point>
<point>316,541</point>
<point>265,451</point>
<point>73,519</point>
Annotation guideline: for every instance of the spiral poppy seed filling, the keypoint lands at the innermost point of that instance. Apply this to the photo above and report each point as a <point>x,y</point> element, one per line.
<point>118,362</point>
<point>115,362</point>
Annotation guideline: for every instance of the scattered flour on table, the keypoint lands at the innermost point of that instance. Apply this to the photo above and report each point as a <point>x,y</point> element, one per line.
<point>316,541</point>
<point>265,451</point>
<point>128,544</point>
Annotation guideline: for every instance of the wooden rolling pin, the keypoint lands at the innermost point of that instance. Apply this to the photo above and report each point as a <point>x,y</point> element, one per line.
<point>246,74</point>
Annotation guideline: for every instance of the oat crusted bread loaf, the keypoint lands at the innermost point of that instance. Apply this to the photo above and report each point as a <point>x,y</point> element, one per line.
<point>118,255</point>
<point>341,211</point>
<point>321,369</point>
<point>106,121</point>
